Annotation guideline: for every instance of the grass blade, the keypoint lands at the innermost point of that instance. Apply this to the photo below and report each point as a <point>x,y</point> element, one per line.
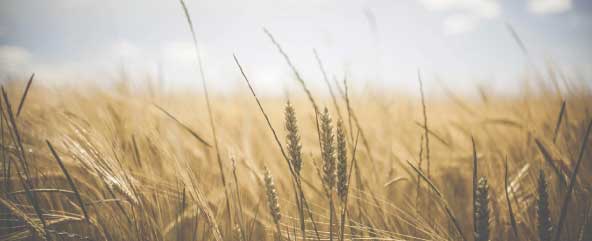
<point>70,181</point>
<point>474,182</point>
<point>517,39</point>
<point>24,96</point>
<point>208,105</point>
<point>572,182</point>
<point>510,210</point>
<point>193,133</point>
<point>441,197</point>
<point>550,161</point>
<point>559,119</point>
<point>326,79</point>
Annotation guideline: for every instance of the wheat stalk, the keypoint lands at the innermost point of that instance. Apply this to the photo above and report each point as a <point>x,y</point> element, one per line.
<point>24,96</point>
<point>329,87</point>
<point>36,230</point>
<point>586,229</point>
<point>341,162</point>
<point>559,119</point>
<point>272,201</point>
<point>294,149</point>
<point>443,201</point>
<point>510,210</point>
<point>208,106</point>
<point>544,226</point>
<point>70,181</point>
<point>293,138</point>
<point>295,178</point>
<point>328,151</point>
<point>482,211</point>
<point>329,167</point>
<point>572,182</point>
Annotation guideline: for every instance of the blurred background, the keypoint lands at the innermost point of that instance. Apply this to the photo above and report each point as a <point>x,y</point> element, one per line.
<point>375,44</point>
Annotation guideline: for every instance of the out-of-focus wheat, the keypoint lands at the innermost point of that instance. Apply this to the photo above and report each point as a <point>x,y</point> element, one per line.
<point>544,225</point>
<point>141,176</point>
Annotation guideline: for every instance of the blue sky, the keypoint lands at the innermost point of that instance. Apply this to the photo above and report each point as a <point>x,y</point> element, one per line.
<point>381,43</point>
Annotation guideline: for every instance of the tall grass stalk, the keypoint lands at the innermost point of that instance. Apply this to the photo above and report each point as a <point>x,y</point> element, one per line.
<point>559,119</point>
<point>474,187</point>
<point>544,226</point>
<point>238,200</point>
<point>272,202</point>
<point>443,201</point>
<point>294,70</point>
<point>24,96</point>
<point>70,181</point>
<point>298,187</point>
<point>209,107</point>
<point>26,179</point>
<point>482,211</point>
<point>510,210</point>
<point>329,165</point>
<point>352,118</point>
<point>586,229</point>
<point>295,155</point>
<point>342,177</point>
<point>572,182</point>
<point>326,80</point>
<point>425,123</point>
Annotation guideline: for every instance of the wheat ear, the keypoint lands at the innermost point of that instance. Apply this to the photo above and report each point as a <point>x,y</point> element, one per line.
<point>544,226</point>
<point>293,138</point>
<point>482,211</point>
<point>272,201</point>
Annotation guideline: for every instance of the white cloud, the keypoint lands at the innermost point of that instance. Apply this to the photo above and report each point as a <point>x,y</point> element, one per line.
<point>549,6</point>
<point>13,59</point>
<point>463,15</point>
<point>101,63</point>
<point>123,51</point>
<point>480,8</point>
<point>460,23</point>
<point>179,52</point>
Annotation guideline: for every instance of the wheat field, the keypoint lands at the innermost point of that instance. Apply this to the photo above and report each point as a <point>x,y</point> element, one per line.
<point>139,163</point>
<point>89,164</point>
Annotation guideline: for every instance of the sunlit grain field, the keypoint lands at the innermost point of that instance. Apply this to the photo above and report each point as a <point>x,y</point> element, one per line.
<point>119,164</point>
<point>142,163</point>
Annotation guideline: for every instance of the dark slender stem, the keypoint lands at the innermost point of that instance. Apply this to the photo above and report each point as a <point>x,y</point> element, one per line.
<point>24,96</point>
<point>572,182</point>
<point>559,119</point>
<point>209,107</point>
<point>511,212</point>
<point>70,181</point>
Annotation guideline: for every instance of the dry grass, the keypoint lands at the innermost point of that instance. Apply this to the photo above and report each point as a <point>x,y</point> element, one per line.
<point>126,170</point>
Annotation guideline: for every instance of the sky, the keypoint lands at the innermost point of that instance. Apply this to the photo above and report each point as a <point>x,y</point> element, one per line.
<point>379,44</point>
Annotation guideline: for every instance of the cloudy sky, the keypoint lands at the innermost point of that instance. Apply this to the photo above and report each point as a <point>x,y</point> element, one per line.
<point>380,43</point>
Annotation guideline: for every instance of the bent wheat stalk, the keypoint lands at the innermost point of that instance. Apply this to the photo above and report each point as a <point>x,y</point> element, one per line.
<point>482,211</point>
<point>510,210</point>
<point>442,200</point>
<point>209,108</point>
<point>295,177</point>
<point>572,182</point>
<point>272,201</point>
<point>24,96</point>
<point>544,226</point>
<point>70,181</point>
